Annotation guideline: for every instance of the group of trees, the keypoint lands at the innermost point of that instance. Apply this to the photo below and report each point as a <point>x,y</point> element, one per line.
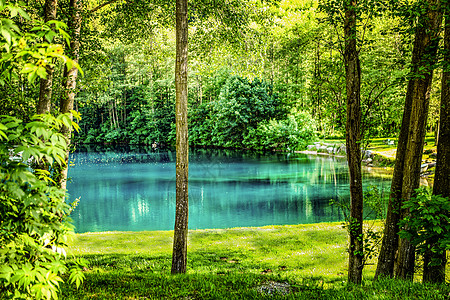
<point>406,203</point>
<point>129,78</point>
<point>262,75</point>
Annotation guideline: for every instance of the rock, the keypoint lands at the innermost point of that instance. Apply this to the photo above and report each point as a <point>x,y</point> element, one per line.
<point>273,288</point>
<point>369,160</point>
<point>368,154</point>
<point>311,147</point>
<point>322,149</point>
<point>388,142</point>
<point>342,150</point>
<point>330,150</point>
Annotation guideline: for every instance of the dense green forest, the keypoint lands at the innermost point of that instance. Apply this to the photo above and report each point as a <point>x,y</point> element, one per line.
<point>261,74</point>
<point>271,74</point>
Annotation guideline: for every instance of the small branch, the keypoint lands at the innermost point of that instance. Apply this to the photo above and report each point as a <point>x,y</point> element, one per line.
<point>93,10</point>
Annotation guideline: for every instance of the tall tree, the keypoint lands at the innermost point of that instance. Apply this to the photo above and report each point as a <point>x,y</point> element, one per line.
<point>353,140</point>
<point>70,75</point>
<point>433,272</point>
<point>45,92</point>
<point>410,146</point>
<point>179,256</point>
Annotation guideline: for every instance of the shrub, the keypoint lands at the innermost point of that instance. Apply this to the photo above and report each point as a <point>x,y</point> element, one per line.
<point>428,224</point>
<point>34,219</point>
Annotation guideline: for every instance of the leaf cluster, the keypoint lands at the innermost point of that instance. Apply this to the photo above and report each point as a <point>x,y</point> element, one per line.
<point>34,219</point>
<point>428,224</point>
<point>32,51</point>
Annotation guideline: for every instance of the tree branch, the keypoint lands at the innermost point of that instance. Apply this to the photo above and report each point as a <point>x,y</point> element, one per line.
<point>93,10</point>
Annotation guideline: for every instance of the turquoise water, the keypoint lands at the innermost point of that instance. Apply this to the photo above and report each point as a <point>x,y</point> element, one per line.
<point>133,190</point>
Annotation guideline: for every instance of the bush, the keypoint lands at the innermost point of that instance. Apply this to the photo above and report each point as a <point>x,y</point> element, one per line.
<point>428,224</point>
<point>233,120</point>
<point>292,133</point>
<point>34,219</point>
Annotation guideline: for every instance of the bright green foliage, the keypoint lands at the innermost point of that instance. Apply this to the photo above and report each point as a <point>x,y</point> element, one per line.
<point>34,219</point>
<point>428,225</point>
<point>248,115</point>
<point>292,133</point>
<point>27,47</point>
<point>374,209</point>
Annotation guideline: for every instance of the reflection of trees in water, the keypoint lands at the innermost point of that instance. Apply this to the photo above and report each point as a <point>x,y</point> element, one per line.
<point>134,189</point>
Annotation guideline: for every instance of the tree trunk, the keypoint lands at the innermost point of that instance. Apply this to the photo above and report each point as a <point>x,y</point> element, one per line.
<point>179,256</point>
<point>442,175</point>
<point>427,40</point>
<point>353,138</point>
<point>397,256</point>
<point>45,89</point>
<point>70,76</point>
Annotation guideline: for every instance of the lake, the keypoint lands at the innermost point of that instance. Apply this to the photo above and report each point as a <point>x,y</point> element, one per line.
<point>133,189</point>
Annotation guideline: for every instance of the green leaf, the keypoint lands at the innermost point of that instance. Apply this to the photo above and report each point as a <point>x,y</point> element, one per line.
<point>6,34</point>
<point>31,77</point>
<point>28,68</point>
<point>42,72</point>
<point>50,35</point>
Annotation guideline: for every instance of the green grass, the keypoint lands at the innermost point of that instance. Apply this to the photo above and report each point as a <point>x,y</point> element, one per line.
<point>230,264</point>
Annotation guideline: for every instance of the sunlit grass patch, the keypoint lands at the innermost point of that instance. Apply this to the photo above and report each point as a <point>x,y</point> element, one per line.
<point>301,261</point>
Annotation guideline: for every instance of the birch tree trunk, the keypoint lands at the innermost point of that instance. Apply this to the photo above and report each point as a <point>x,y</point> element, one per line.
<point>353,139</point>
<point>179,256</point>
<point>46,84</point>
<point>70,76</point>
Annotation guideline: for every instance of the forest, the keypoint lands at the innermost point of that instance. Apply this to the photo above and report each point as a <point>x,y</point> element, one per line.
<point>268,75</point>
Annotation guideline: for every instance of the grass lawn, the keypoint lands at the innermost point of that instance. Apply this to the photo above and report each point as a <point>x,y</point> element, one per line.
<point>274,262</point>
<point>379,146</point>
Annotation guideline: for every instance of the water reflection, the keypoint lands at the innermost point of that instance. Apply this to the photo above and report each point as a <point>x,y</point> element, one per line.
<point>134,189</point>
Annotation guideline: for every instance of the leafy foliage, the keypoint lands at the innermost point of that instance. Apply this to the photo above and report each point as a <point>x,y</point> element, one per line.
<point>428,224</point>
<point>374,208</point>
<point>248,115</point>
<point>34,219</point>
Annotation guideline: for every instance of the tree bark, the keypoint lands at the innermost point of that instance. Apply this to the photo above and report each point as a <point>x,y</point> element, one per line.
<point>386,258</point>
<point>179,256</point>
<point>397,256</point>
<point>427,38</point>
<point>70,76</point>
<point>353,139</point>
<point>442,175</point>
<point>46,84</point>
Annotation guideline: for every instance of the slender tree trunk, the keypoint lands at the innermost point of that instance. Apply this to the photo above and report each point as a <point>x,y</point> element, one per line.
<point>397,256</point>
<point>45,90</point>
<point>179,256</point>
<point>442,175</point>
<point>70,76</point>
<point>353,139</point>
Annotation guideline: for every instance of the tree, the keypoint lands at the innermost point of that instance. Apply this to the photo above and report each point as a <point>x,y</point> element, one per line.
<point>353,141</point>
<point>179,256</point>
<point>45,93</point>
<point>70,77</point>
<point>410,146</point>
<point>434,262</point>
